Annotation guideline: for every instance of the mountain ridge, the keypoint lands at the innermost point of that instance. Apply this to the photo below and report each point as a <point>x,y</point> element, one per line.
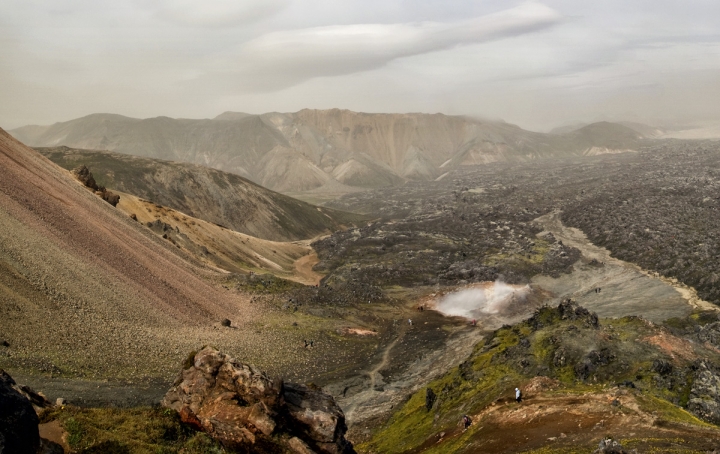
<point>305,150</point>
<point>218,197</point>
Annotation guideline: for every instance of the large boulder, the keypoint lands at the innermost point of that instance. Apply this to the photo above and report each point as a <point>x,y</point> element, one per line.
<point>317,416</point>
<point>243,408</point>
<point>18,421</point>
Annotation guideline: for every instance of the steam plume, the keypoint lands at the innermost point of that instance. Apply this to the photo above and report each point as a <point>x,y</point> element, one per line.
<point>475,302</point>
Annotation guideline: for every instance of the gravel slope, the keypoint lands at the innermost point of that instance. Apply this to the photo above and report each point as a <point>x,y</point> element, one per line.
<point>87,292</point>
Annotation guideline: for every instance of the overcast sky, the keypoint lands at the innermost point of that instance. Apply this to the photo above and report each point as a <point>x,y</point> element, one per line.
<point>538,64</point>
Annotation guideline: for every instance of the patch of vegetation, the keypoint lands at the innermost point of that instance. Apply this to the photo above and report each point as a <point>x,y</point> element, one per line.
<point>668,412</point>
<point>263,283</point>
<point>131,430</point>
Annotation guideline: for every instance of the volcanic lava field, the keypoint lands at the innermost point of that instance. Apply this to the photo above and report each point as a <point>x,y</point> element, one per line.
<point>441,273</point>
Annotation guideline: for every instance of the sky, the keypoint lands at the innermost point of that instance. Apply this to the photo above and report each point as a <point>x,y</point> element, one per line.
<point>538,64</point>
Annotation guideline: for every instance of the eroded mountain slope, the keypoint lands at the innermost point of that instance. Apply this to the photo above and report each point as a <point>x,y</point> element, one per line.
<point>218,197</point>
<point>86,291</point>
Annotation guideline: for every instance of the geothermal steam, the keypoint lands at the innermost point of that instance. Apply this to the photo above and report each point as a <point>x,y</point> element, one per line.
<point>490,298</point>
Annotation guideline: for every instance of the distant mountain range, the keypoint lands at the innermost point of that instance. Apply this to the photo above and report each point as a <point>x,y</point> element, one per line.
<point>328,149</point>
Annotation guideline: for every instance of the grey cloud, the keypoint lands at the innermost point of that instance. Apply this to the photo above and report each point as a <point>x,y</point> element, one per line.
<point>285,58</point>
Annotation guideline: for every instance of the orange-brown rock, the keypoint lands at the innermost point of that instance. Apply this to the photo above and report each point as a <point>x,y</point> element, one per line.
<point>242,407</point>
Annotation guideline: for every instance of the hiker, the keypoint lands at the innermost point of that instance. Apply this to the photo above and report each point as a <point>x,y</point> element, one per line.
<point>410,321</point>
<point>518,395</point>
<point>474,322</point>
<point>312,344</point>
<point>306,343</point>
<point>466,422</point>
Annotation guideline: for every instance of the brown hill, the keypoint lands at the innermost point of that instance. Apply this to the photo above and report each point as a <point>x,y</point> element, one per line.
<point>218,197</point>
<point>315,149</point>
<point>218,247</point>
<point>87,291</point>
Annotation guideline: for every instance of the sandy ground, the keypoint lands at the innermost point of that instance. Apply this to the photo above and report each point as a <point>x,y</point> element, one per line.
<point>304,272</point>
<point>626,289</point>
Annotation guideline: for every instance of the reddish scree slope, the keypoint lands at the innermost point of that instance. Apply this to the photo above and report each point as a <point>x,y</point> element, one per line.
<point>45,199</point>
<point>80,281</point>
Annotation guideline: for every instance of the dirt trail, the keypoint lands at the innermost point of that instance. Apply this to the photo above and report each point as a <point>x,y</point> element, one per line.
<point>386,356</point>
<point>373,373</point>
<point>414,356</point>
<point>626,289</point>
<point>304,269</point>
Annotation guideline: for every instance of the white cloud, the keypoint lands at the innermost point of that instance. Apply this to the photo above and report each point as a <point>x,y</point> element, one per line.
<point>218,13</point>
<point>292,56</point>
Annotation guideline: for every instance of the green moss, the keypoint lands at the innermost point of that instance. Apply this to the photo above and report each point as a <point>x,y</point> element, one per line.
<point>559,450</point>
<point>658,445</point>
<point>411,426</point>
<point>542,348</point>
<point>566,374</point>
<point>190,360</point>
<point>669,412</point>
<point>136,430</point>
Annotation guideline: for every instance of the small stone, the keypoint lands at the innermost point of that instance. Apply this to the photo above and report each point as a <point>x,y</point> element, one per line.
<point>225,322</point>
<point>59,401</point>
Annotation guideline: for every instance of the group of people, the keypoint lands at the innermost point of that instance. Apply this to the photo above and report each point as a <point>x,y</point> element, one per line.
<point>309,343</point>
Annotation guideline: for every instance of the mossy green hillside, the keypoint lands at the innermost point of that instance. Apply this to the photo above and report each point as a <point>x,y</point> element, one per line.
<point>566,345</point>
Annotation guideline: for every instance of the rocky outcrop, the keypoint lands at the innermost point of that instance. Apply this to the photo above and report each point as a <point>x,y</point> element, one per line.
<point>83,175</point>
<point>18,420</point>
<point>610,446</point>
<point>705,393</point>
<point>569,310</point>
<point>244,409</point>
<point>710,333</point>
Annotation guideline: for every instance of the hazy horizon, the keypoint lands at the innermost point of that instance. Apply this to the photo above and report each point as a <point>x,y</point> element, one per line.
<point>537,64</point>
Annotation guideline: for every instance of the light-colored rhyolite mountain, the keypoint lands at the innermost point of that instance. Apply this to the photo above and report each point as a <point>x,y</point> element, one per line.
<point>311,149</point>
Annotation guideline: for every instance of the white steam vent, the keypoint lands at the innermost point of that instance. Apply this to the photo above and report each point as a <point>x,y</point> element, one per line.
<point>484,299</point>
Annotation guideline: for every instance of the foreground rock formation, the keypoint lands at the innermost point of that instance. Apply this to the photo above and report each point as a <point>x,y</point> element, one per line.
<point>18,420</point>
<point>19,407</point>
<point>244,409</point>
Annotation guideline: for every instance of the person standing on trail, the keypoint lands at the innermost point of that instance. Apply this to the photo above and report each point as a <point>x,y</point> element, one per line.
<point>466,422</point>
<point>518,395</point>
<point>410,321</point>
